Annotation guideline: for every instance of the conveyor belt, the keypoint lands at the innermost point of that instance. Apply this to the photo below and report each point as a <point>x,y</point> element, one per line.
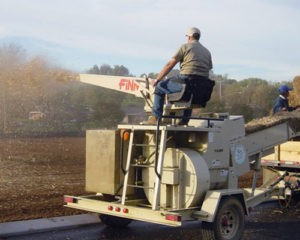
<point>265,133</point>
<point>293,119</point>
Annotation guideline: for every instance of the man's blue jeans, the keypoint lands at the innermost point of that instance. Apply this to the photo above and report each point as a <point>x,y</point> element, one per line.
<point>170,85</point>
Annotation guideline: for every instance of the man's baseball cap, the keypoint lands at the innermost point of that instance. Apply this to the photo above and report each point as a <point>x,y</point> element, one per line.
<point>192,30</point>
<point>284,88</point>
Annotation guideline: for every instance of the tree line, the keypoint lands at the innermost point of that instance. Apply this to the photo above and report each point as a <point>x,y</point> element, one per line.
<point>35,85</point>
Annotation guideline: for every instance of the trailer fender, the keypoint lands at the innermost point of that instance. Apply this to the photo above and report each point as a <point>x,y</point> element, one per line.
<point>212,201</point>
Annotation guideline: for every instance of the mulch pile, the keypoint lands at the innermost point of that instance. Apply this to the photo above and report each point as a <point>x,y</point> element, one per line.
<point>295,94</point>
<point>293,119</point>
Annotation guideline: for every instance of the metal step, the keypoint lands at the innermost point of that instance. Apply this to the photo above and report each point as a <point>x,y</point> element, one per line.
<point>139,186</point>
<point>142,166</point>
<point>143,145</point>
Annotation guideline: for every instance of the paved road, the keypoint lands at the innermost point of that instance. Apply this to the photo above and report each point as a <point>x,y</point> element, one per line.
<point>268,223</point>
<point>190,231</point>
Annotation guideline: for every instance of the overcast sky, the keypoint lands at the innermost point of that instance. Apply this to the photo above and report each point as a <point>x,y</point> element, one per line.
<point>247,38</point>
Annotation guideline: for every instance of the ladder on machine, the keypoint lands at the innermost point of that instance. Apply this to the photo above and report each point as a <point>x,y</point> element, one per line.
<point>160,147</point>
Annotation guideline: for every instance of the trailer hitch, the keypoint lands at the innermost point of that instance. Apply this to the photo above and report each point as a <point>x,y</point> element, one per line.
<point>279,179</point>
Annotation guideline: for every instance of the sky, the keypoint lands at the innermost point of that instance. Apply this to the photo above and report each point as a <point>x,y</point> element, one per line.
<point>247,38</point>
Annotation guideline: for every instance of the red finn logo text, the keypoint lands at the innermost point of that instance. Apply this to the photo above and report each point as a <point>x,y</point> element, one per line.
<point>128,85</point>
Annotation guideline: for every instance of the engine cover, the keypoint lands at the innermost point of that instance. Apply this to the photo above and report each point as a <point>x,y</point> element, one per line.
<point>185,179</point>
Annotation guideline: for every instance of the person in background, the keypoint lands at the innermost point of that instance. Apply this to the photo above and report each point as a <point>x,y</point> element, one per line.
<point>195,63</point>
<point>282,102</point>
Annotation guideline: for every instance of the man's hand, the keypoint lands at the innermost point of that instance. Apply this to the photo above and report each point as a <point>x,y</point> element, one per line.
<point>155,82</point>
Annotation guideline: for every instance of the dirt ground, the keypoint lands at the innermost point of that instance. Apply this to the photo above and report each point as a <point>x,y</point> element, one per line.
<point>35,173</point>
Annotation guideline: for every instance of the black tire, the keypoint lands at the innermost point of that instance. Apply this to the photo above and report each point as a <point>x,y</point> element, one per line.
<point>229,221</point>
<point>113,221</point>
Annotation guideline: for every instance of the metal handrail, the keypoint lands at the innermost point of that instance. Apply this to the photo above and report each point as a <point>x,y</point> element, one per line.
<point>156,148</point>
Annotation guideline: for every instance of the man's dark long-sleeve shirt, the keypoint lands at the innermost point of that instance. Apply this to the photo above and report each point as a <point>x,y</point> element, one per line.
<point>282,103</point>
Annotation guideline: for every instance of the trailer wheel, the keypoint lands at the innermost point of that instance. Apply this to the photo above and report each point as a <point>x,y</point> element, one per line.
<point>113,221</point>
<point>229,221</point>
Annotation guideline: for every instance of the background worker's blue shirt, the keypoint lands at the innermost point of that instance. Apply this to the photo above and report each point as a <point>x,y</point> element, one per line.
<point>280,103</point>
